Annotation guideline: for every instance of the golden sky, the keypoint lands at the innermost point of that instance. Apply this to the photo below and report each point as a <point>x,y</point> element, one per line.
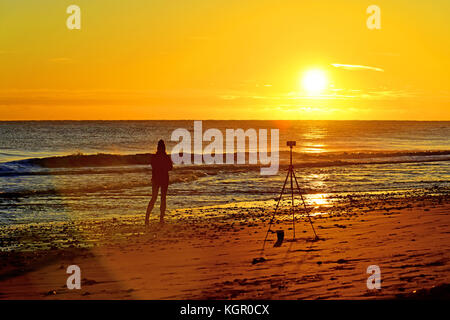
<point>224,59</point>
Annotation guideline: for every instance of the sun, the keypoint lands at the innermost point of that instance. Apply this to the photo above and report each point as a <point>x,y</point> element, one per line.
<point>314,82</point>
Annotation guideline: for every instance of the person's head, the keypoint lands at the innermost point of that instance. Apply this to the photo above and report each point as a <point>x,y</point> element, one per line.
<point>161,146</point>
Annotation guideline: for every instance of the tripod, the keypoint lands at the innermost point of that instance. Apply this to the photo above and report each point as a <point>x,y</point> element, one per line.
<point>290,175</point>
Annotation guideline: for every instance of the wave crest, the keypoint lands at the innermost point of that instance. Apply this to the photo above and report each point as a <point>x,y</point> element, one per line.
<point>113,163</point>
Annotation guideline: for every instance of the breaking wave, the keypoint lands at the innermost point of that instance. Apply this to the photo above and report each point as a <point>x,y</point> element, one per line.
<point>102,163</point>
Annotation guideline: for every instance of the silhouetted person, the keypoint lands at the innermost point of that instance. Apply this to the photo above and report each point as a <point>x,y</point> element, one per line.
<point>161,165</point>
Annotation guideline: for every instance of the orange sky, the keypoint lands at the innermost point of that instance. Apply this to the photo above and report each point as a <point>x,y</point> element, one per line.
<point>141,59</point>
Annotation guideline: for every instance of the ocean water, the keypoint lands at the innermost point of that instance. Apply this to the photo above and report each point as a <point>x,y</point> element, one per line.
<point>91,181</point>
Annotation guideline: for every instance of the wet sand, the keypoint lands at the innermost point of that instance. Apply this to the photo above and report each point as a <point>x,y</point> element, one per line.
<point>210,253</point>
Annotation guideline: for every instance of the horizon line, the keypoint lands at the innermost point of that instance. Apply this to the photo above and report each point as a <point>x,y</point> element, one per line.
<point>36,120</point>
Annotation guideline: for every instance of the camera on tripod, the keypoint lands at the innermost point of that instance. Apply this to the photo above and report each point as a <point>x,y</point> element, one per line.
<point>291,143</point>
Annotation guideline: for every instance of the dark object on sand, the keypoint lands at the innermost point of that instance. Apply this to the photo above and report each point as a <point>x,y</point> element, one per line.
<point>440,292</point>
<point>280,238</point>
<point>258,260</point>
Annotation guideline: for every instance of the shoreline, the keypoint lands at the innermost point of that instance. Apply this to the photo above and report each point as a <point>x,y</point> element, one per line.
<point>211,257</point>
<point>318,202</point>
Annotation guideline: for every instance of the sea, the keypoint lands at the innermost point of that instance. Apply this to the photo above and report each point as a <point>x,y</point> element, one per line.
<point>62,170</point>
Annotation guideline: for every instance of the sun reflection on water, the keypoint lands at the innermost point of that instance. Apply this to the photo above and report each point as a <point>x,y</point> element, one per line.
<point>313,148</point>
<point>320,199</point>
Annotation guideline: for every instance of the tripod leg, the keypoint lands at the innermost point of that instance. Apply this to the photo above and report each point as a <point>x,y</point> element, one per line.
<point>304,204</point>
<point>275,212</point>
<point>292,203</point>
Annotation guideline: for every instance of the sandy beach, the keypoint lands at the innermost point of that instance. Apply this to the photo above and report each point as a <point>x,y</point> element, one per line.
<point>189,152</point>
<point>209,253</point>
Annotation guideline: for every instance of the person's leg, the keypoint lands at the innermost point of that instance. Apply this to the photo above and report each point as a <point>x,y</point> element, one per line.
<point>151,204</point>
<point>163,202</point>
